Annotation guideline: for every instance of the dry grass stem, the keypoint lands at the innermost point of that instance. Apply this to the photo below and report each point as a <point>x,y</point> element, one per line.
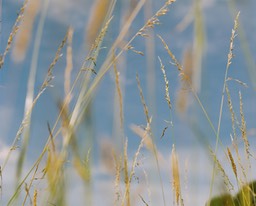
<point>28,187</point>
<point>130,47</point>
<point>149,130</point>
<point>243,129</point>
<point>14,31</point>
<point>27,194</point>
<point>79,110</point>
<point>54,171</point>
<point>226,180</point>
<point>175,61</point>
<point>232,163</point>
<point>58,54</point>
<point>176,177</point>
<point>230,56</point>
<point>232,38</point>
<point>70,141</point>
<point>154,20</point>
<point>126,178</point>
<point>51,138</point>
<point>119,93</point>
<point>29,16</point>
<point>118,169</point>
<point>144,135</point>
<point>231,110</point>
<point>97,42</point>
<point>150,56</point>
<point>167,93</point>
<point>145,108</point>
<point>238,81</point>
<point>35,197</point>
<point>239,161</point>
<point>187,80</point>
<point>83,168</point>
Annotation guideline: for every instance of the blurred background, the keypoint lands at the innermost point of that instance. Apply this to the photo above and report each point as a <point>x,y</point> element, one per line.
<point>197,32</point>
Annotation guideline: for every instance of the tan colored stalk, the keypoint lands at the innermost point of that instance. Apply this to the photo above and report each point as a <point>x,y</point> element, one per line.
<point>25,32</point>
<point>176,177</point>
<point>13,33</point>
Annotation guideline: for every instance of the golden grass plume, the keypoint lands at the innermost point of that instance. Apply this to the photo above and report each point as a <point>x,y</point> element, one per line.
<point>35,197</point>
<point>119,91</point>
<point>233,164</point>
<point>176,177</point>
<point>167,93</point>
<point>224,175</point>
<point>13,33</point>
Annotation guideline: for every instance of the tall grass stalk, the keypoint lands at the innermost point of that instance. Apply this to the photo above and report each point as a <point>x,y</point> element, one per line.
<point>185,78</point>
<point>245,45</point>
<point>229,61</point>
<point>30,89</point>
<point>120,68</point>
<point>150,132</point>
<point>150,62</point>
<point>46,83</point>
<point>176,178</point>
